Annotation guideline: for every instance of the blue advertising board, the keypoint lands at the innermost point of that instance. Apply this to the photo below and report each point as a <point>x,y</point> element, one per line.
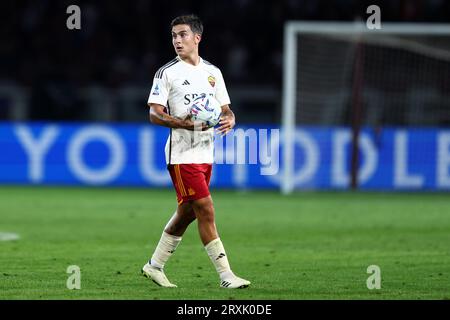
<point>249,157</point>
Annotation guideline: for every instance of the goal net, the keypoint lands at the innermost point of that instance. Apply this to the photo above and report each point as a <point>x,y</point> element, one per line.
<point>344,74</point>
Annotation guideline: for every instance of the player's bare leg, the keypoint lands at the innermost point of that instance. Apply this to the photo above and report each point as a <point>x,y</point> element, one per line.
<point>167,245</point>
<point>204,211</point>
<point>181,219</point>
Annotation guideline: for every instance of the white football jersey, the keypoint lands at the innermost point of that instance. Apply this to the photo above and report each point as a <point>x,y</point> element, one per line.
<point>175,86</point>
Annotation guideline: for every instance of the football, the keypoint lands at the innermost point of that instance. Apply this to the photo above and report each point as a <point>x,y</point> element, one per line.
<point>206,109</point>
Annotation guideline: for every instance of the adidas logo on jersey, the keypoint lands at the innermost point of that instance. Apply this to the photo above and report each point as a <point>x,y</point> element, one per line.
<point>186,83</point>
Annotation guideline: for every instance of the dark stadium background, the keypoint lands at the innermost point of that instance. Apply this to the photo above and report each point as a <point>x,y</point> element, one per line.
<point>124,43</point>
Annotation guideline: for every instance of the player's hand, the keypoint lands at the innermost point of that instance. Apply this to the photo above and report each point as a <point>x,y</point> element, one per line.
<point>226,124</point>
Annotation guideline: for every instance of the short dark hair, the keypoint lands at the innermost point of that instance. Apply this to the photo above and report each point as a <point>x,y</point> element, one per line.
<point>191,20</point>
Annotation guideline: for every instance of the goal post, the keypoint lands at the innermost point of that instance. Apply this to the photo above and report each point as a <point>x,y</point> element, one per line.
<point>321,56</point>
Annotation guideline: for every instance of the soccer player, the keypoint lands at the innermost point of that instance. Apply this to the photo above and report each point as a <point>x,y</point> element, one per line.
<point>189,153</point>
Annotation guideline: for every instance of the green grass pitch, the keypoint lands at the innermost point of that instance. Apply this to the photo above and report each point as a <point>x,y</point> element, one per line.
<point>302,246</point>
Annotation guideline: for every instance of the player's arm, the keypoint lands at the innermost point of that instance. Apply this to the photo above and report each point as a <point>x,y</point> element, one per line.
<point>227,120</point>
<point>159,117</point>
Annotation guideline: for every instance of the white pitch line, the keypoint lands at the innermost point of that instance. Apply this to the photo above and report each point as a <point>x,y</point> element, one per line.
<point>9,236</point>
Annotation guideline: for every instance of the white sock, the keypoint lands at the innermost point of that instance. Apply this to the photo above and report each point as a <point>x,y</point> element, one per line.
<point>216,253</point>
<point>166,247</point>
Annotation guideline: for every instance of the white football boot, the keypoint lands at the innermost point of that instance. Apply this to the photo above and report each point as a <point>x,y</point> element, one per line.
<point>157,276</point>
<point>234,282</point>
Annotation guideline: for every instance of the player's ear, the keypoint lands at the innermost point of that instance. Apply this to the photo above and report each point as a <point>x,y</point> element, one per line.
<point>198,38</point>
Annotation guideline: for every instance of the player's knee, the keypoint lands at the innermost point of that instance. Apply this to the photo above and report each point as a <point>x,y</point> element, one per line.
<point>204,210</point>
<point>208,216</point>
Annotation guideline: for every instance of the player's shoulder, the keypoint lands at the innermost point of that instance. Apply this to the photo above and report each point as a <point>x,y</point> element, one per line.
<point>210,66</point>
<point>166,67</point>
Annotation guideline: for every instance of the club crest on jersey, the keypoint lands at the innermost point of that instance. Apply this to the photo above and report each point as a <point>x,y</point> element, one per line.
<point>156,90</point>
<point>212,81</point>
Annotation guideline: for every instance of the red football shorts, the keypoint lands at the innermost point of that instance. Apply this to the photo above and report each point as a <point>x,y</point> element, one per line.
<point>191,181</point>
